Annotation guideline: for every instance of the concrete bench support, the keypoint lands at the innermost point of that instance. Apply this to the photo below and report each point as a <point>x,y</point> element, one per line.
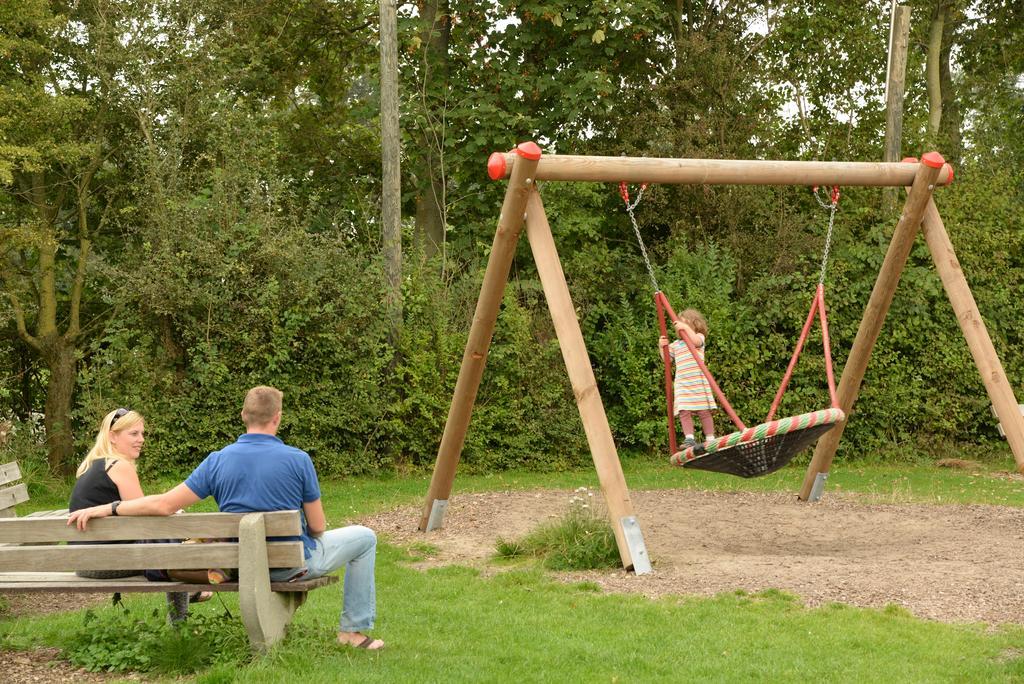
<point>265,613</point>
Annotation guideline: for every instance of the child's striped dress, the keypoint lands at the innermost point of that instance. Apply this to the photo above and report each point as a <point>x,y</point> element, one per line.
<point>692,391</point>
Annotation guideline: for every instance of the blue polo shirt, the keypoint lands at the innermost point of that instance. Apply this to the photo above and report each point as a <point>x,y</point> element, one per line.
<point>258,473</point>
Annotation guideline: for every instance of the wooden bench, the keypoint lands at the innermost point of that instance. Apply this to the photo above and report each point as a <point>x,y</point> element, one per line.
<point>32,559</point>
<point>13,493</point>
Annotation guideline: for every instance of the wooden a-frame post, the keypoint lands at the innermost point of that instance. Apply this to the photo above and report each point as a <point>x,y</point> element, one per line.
<point>584,385</point>
<point>510,225</point>
<point>522,194</point>
<point>920,210</point>
<point>871,323</point>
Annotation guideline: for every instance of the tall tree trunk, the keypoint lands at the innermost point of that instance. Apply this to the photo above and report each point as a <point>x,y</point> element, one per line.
<point>391,169</point>
<point>933,70</point>
<point>58,350</point>
<point>677,21</point>
<point>895,85</point>
<point>61,361</point>
<point>951,126</point>
<point>430,186</point>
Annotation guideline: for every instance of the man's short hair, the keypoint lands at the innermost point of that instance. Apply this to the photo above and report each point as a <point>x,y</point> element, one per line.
<point>261,405</point>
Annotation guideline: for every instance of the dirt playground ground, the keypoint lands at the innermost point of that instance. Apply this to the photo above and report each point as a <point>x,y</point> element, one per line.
<point>953,563</point>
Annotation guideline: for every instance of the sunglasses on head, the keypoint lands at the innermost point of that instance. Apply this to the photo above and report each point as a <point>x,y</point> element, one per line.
<point>119,413</point>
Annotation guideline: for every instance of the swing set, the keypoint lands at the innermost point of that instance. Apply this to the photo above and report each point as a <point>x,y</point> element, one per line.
<point>524,167</point>
<point>764,448</point>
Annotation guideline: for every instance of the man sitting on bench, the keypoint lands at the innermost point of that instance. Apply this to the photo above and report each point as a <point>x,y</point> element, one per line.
<point>261,473</point>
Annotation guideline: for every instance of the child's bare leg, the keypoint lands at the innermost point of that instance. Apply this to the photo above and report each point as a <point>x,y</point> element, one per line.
<point>686,420</point>
<point>707,424</point>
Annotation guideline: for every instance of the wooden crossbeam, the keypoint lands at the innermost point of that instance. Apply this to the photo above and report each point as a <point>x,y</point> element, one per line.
<point>565,167</point>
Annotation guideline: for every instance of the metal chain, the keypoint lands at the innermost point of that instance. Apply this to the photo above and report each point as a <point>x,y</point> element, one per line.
<point>640,240</point>
<point>831,206</point>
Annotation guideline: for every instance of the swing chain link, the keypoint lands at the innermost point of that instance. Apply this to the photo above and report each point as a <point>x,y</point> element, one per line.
<point>630,207</point>
<point>831,205</point>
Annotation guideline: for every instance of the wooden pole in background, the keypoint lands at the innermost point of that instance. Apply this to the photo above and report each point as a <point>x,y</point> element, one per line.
<point>510,225</point>
<point>391,170</point>
<point>895,86</point>
<point>874,315</point>
<point>997,385</point>
<point>581,373</point>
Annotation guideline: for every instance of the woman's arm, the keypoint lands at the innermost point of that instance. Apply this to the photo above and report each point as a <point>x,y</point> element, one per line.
<point>127,480</point>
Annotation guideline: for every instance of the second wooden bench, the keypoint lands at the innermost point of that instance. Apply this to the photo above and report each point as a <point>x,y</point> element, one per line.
<point>34,559</point>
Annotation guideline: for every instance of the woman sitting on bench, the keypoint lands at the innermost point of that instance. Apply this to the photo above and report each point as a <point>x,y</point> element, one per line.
<point>108,476</point>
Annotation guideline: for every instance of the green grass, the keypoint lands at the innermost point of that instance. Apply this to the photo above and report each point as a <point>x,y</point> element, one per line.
<point>455,624</point>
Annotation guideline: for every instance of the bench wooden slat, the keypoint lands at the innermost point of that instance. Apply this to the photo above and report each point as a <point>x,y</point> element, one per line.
<point>70,582</point>
<point>124,528</point>
<point>9,472</point>
<point>12,496</point>
<point>61,513</point>
<point>141,556</point>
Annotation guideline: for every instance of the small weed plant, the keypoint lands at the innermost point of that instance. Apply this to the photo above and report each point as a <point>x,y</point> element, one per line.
<point>581,540</point>
<point>120,641</point>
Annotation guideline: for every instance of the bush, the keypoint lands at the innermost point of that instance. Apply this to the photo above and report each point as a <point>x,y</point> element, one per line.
<point>117,640</point>
<point>581,540</point>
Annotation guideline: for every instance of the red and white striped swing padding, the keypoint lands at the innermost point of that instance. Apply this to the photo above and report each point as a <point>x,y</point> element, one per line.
<point>760,432</point>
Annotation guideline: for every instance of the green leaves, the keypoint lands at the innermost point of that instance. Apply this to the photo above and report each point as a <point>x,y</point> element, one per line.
<point>119,640</point>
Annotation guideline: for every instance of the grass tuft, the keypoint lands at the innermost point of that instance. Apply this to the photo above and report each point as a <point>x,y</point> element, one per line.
<point>580,540</point>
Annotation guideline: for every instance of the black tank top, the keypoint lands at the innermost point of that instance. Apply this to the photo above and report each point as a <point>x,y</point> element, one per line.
<point>94,487</point>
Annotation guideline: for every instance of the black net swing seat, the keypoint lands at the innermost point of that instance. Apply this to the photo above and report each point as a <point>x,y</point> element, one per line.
<point>761,449</point>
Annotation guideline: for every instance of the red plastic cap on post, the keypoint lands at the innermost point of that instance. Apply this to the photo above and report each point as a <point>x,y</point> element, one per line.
<point>908,160</point>
<point>529,150</point>
<point>949,181</point>
<point>932,159</point>
<point>496,166</point>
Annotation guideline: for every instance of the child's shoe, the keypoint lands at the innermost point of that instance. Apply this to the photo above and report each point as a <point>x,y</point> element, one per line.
<point>689,442</point>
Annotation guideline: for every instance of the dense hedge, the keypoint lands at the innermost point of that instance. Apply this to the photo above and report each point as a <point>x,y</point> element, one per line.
<point>305,313</point>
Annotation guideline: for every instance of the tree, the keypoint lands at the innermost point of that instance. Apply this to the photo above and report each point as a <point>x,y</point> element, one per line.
<point>63,135</point>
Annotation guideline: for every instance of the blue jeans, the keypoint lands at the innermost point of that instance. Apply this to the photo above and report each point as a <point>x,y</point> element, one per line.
<point>354,547</point>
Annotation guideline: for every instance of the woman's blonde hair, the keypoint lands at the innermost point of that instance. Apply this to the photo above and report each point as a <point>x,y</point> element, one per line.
<point>696,321</point>
<point>118,421</point>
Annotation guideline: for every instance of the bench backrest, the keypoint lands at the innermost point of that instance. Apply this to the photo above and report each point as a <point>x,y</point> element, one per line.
<point>111,543</point>
<point>12,492</point>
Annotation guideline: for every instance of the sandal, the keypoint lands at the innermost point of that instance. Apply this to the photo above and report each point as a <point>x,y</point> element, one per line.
<point>368,643</point>
<point>200,596</point>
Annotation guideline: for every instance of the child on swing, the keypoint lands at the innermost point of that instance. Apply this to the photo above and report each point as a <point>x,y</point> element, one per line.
<point>691,389</point>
